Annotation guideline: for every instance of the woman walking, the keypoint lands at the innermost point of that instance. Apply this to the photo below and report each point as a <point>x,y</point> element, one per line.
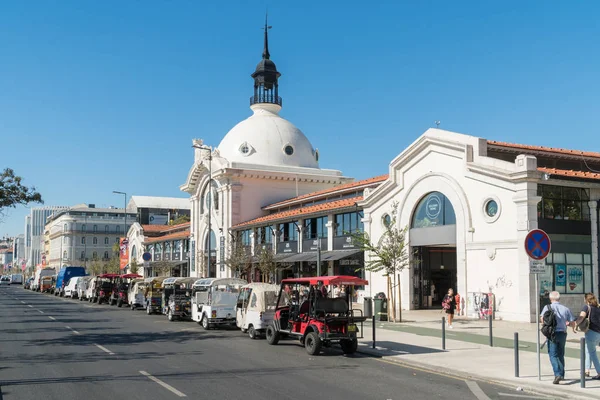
<point>591,311</point>
<point>449,305</point>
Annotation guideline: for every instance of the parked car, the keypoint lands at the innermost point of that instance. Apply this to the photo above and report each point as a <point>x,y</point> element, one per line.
<point>318,320</point>
<point>64,275</point>
<point>5,280</point>
<point>16,279</point>
<point>70,289</point>
<point>27,284</point>
<point>256,307</point>
<point>35,284</point>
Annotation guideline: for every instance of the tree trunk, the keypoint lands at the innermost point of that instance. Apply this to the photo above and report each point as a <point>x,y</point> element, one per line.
<point>390,308</point>
<point>399,300</point>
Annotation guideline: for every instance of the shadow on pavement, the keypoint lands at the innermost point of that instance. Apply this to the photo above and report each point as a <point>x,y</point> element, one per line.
<point>394,348</point>
<point>88,357</point>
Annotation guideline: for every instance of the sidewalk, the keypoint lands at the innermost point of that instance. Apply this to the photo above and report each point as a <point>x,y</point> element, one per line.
<point>418,343</point>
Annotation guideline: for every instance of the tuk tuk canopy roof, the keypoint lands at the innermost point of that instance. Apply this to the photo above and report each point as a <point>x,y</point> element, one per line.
<point>219,281</point>
<point>131,276</point>
<point>109,276</point>
<point>262,296</point>
<point>328,280</point>
<point>157,279</point>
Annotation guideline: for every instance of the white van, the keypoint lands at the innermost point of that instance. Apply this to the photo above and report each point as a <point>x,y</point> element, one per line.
<point>71,287</point>
<point>16,279</point>
<point>40,273</point>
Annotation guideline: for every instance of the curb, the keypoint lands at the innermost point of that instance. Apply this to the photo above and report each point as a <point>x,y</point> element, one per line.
<point>509,383</point>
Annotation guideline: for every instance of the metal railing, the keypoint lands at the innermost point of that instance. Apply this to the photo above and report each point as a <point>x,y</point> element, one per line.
<point>265,98</point>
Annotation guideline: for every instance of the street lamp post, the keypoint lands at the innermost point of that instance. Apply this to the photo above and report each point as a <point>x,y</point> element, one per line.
<point>204,147</point>
<point>124,209</point>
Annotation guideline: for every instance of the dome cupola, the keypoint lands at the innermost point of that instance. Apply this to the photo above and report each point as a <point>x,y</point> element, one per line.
<point>266,87</point>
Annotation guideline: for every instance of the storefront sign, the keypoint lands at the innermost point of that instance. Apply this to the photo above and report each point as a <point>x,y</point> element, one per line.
<point>433,207</point>
<point>575,278</point>
<point>158,219</point>
<point>287,247</point>
<point>343,242</point>
<point>123,252</point>
<point>349,262</point>
<point>561,275</point>
<point>222,251</point>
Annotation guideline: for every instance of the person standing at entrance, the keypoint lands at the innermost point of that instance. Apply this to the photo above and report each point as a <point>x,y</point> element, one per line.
<point>591,312</point>
<point>449,305</point>
<point>556,347</point>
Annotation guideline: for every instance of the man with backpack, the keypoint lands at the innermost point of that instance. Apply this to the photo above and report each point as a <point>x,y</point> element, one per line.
<point>555,319</point>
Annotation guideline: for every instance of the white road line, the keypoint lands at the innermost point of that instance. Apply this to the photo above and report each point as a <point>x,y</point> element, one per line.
<point>23,302</point>
<point>52,318</point>
<point>29,305</point>
<point>75,332</point>
<point>522,396</point>
<point>68,327</point>
<point>104,349</point>
<point>163,384</point>
<point>41,312</point>
<point>476,390</point>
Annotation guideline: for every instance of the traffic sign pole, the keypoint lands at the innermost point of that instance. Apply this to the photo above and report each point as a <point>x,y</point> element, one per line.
<point>537,318</point>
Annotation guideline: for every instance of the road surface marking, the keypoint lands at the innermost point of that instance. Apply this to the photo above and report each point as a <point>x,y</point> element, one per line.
<point>104,349</point>
<point>41,312</point>
<point>75,332</point>
<point>29,305</point>
<point>163,384</point>
<point>522,396</point>
<point>476,390</point>
<point>68,327</point>
<point>52,318</point>
<point>23,302</point>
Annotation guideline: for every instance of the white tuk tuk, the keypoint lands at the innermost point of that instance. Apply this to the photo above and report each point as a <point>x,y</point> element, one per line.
<point>82,286</point>
<point>135,296</point>
<point>214,301</point>
<point>256,307</point>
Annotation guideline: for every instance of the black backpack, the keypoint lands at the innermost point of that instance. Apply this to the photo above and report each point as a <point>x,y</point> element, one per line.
<point>549,324</point>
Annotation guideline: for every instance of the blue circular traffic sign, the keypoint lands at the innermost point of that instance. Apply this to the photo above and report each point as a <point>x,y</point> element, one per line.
<point>146,256</point>
<point>537,244</point>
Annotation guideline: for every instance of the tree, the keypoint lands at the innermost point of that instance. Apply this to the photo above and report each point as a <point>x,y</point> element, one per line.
<point>267,264</point>
<point>163,267</point>
<point>13,193</point>
<point>180,220</point>
<point>390,256</point>
<point>238,260</point>
<point>133,267</point>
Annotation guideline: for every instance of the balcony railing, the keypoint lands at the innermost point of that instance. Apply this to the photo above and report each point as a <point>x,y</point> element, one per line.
<point>265,98</point>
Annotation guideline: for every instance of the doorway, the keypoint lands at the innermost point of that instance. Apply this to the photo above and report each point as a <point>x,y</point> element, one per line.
<point>434,273</point>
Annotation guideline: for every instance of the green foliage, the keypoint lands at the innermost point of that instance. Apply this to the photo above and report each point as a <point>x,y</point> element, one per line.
<point>133,267</point>
<point>267,264</point>
<point>238,260</point>
<point>179,220</point>
<point>13,193</point>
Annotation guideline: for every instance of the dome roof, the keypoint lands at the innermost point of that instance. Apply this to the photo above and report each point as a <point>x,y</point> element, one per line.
<point>267,139</point>
<point>266,65</point>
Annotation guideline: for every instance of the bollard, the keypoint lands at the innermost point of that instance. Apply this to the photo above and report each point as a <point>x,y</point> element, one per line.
<point>582,361</point>
<point>516,354</point>
<point>373,331</point>
<point>491,332</point>
<point>443,333</point>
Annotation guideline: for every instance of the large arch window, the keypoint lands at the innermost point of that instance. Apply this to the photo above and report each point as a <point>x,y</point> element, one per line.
<point>206,198</point>
<point>433,210</point>
<point>134,253</point>
<point>211,246</point>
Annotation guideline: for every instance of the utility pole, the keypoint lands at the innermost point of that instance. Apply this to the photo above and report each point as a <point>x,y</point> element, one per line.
<point>210,201</point>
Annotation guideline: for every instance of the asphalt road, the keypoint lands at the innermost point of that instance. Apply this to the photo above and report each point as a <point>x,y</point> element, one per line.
<point>53,348</point>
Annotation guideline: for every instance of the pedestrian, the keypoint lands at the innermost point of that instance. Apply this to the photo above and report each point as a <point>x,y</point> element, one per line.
<point>591,313</point>
<point>449,305</point>
<point>556,347</point>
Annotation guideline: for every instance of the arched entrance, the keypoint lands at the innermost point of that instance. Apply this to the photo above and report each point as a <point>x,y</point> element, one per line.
<point>433,240</point>
<point>211,246</point>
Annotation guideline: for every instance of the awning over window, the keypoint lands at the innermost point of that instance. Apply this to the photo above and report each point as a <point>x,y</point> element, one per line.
<point>309,256</point>
<point>338,254</point>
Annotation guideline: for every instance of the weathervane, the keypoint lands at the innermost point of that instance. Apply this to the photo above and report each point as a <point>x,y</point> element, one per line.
<point>437,124</point>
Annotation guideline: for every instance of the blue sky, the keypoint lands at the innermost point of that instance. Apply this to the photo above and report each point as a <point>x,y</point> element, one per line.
<point>102,96</point>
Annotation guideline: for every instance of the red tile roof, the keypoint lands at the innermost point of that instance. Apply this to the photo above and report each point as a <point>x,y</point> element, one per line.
<point>324,192</point>
<point>550,150</point>
<point>302,211</point>
<point>163,228</point>
<point>570,173</point>
<point>173,236</point>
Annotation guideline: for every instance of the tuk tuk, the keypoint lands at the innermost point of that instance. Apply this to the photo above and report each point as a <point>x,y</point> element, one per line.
<point>168,288</point>
<point>179,306</point>
<point>214,301</point>
<point>105,287</point>
<point>153,294</point>
<point>121,288</point>
<point>46,284</point>
<point>256,307</point>
<point>82,287</point>
<point>135,297</point>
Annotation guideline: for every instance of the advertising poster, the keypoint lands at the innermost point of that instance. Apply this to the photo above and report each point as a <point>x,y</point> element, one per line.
<point>575,279</point>
<point>123,252</point>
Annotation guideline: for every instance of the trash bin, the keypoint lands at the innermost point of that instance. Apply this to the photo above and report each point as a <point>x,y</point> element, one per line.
<point>368,307</point>
<point>380,309</point>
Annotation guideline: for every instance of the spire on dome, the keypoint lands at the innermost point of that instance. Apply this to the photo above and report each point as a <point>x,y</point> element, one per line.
<point>266,87</point>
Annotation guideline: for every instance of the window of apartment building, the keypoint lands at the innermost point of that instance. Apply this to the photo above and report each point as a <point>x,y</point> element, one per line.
<point>83,240</point>
<point>315,227</point>
<point>348,223</point>
<point>105,240</point>
<point>245,236</point>
<point>83,227</point>
<point>106,256</point>
<point>95,255</point>
<point>95,240</point>
<point>65,239</point>
<point>106,228</point>
<point>265,235</point>
<point>95,228</point>
<point>116,240</point>
<point>83,255</point>
<point>64,255</point>
<point>568,273</point>
<point>64,227</point>
<point>288,232</point>
<point>566,203</point>
<point>118,229</point>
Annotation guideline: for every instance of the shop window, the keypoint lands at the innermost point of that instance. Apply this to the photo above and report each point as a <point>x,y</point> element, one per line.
<point>245,237</point>
<point>563,203</point>
<point>265,235</point>
<point>433,210</point>
<point>315,227</point>
<point>348,223</point>
<point>288,232</point>
<point>569,273</point>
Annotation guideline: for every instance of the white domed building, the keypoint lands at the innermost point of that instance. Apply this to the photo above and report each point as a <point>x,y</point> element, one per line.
<point>260,161</point>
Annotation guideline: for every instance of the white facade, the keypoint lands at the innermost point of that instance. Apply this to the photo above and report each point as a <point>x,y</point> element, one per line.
<point>34,233</point>
<point>81,234</point>
<point>136,239</point>
<point>490,252</point>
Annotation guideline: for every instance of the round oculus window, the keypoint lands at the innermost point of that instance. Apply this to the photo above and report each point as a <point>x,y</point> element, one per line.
<point>245,149</point>
<point>387,220</point>
<point>491,208</point>
<point>289,150</point>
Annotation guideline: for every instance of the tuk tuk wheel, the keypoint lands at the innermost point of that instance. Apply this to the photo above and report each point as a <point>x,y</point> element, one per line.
<point>349,346</point>
<point>119,303</point>
<point>272,335</point>
<point>205,323</point>
<point>252,332</point>
<point>312,343</point>
<point>170,316</point>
